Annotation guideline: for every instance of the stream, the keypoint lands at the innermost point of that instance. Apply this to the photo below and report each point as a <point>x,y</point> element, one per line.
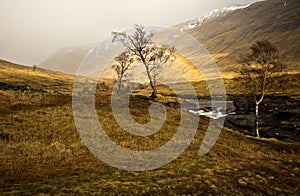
<point>220,109</point>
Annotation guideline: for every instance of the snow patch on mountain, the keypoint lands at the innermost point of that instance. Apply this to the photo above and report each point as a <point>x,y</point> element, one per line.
<point>213,14</point>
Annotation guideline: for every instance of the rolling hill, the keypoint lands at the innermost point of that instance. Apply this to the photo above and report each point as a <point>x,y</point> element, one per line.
<point>19,76</point>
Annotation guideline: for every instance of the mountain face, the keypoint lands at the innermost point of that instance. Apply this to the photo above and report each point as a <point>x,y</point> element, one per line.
<point>227,33</point>
<point>230,34</point>
<point>67,59</point>
<point>210,16</point>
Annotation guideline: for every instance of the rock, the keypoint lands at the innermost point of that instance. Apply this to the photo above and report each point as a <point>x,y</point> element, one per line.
<point>270,121</point>
<point>279,117</point>
<point>282,134</point>
<point>289,114</point>
<point>271,104</point>
<point>276,104</point>
<point>243,105</point>
<point>246,123</point>
<point>243,122</point>
<point>8,86</point>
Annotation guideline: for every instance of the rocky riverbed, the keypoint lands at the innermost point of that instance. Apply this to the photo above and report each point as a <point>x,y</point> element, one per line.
<point>279,117</point>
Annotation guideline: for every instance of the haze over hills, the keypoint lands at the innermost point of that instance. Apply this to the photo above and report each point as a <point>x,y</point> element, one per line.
<point>226,33</point>
<point>67,59</point>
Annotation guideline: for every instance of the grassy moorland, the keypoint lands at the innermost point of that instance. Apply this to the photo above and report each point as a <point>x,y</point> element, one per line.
<point>42,152</point>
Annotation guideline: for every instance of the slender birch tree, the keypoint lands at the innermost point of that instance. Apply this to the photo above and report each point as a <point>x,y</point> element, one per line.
<point>123,64</point>
<point>257,73</point>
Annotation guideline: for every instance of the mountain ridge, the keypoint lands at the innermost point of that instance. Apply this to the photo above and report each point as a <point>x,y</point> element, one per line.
<point>226,36</point>
<point>210,16</point>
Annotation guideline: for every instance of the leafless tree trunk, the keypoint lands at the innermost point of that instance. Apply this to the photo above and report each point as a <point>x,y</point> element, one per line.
<point>119,84</point>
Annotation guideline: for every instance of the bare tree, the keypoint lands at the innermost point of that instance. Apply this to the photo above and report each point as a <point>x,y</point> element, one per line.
<point>258,72</point>
<point>141,46</point>
<point>124,63</point>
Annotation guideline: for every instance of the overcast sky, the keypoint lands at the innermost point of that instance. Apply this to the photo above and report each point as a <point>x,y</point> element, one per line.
<point>31,30</point>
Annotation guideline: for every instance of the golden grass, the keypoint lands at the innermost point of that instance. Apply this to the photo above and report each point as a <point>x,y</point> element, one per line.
<point>42,153</point>
<point>39,78</point>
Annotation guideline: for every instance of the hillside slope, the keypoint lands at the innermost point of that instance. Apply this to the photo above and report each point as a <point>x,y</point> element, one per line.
<point>18,76</point>
<point>42,152</point>
<point>66,59</point>
<point>230,35</point>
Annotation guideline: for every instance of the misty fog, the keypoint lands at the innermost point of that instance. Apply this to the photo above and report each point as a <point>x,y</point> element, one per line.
<point>32,30</point>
